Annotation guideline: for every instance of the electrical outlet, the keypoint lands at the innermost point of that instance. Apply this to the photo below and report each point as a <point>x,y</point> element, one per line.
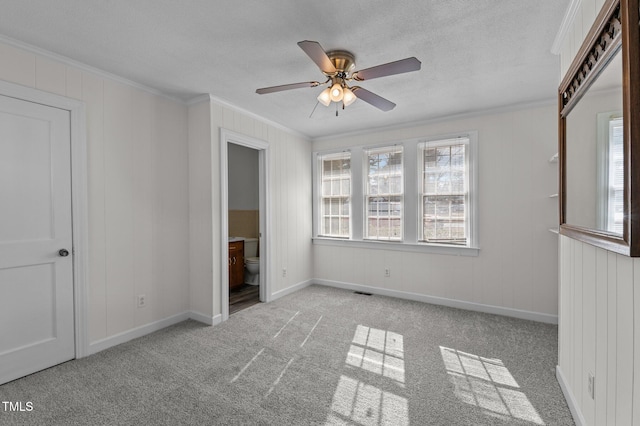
<point>591,385</point>
<point>387,272</point>
<point>284,272</point>
<point>142,301</point>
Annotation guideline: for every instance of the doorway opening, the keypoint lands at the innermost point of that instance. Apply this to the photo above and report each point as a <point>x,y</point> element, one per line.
<point>245,222</point>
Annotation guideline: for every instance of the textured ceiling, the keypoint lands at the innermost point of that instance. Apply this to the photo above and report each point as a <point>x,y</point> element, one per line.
<point>475,54</point>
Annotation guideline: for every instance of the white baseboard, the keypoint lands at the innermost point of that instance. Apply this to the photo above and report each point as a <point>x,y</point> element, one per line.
<point>134,333</point>
<point>143,330</point>
<point>205,319</point>
<point>452,303</point>
<point>281,293</point>
<point>571,400</point>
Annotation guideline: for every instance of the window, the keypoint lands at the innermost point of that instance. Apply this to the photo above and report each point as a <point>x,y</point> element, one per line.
<point>610,172</point>
<point>444,192</point>
<point>615,200</point>
<point>372,197</point>
<point>335,204</point>
<point>383,196</point>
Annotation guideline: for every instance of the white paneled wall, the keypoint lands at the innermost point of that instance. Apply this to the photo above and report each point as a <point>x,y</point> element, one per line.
<point>290,182</point>
<point>200,213</point>
<point>138,192</point>
<point>290,197</point>
<point>585,15</point>
<point>516,269</point>
<point>599,331</point>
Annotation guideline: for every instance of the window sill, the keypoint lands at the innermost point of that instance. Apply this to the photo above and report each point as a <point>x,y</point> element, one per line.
<point>390,245</point>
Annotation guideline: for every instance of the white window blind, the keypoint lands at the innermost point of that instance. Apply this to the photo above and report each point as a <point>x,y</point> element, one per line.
<point>335,194</point>
<point>384,193</point>
<point>445,191</point>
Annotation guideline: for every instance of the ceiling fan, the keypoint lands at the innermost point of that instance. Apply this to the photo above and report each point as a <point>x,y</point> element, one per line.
<point>337,66</point>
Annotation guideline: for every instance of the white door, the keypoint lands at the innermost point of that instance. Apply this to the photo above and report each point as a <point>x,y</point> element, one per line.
<point>36,275</point>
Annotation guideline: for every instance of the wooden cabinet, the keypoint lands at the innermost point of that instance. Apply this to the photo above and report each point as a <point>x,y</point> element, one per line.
<point>236,264</point>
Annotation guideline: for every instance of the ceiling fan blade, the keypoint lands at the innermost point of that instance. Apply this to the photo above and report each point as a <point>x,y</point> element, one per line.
<point>391,68</point>
<point>373,99</point>
<point>318,55</point>
<point>273,89</point>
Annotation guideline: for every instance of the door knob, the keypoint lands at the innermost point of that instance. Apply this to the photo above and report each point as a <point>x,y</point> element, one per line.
<point>63,252</point>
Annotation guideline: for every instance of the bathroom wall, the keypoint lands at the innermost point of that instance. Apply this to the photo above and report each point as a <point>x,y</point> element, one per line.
<point>244,213</point>
<point>244,223</point>
<point>243,178</point>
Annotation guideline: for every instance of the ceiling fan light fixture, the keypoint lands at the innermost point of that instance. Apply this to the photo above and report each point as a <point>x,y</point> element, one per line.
<point>337,66</point>
<point>325,97</point>
<point>336,92</point>
<point>348,96</point>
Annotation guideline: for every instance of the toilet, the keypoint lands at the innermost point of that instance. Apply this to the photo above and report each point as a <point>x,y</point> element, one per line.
<point>251,262</point>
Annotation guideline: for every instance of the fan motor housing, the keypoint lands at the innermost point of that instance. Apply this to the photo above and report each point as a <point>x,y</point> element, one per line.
<point>343,60</point>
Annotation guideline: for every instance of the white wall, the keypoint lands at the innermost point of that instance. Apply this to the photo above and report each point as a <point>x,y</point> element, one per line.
<point>243,178</point>
<point>154,197</point>
<point>599,331</point>
<point>516,269</point>
<point>585,15</point>
<point>290,181</point>
<point>137,189</point>
<point>201,247</point>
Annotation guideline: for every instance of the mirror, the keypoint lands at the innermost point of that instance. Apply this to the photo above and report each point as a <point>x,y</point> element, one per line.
<point>599,123</point>
<point>594,155</point>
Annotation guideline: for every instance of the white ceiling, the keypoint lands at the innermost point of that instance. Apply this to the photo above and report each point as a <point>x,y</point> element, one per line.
<point>475,54</point>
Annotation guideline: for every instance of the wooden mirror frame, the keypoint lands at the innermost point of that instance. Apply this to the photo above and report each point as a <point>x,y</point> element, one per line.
<point>617,25</point>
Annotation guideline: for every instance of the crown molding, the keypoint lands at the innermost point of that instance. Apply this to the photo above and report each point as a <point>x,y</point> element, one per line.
<point>441,119</point>
<point>105,74</point>
<point>567,22</point>
<point>84,67</point>
<point>205,97</point>
<point>208,97</point>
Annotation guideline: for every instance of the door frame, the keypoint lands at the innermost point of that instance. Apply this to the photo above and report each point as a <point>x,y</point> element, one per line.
<point>79,205</point>
<point>227,137</point>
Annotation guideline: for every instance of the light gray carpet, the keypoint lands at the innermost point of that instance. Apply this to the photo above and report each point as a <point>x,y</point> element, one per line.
<point>318,356</point>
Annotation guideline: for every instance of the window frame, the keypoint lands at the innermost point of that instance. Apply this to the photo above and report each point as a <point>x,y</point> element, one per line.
<point>366,153</point>
<point>604,124</point>
<point>318,207</point>
<point>612,221</point>
<point>422,193</point>
<point>411,218</point>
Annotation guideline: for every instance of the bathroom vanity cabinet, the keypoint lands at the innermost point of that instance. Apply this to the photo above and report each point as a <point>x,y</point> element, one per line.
<point>236,264</point>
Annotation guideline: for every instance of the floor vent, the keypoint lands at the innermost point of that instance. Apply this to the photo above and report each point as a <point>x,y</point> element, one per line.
<point>363,293</point>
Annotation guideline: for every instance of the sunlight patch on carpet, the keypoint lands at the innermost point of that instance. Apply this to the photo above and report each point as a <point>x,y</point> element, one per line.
<point>488,384</point>
<point>356,402</point>
<point>237,376</point>
<point>378,351</point>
